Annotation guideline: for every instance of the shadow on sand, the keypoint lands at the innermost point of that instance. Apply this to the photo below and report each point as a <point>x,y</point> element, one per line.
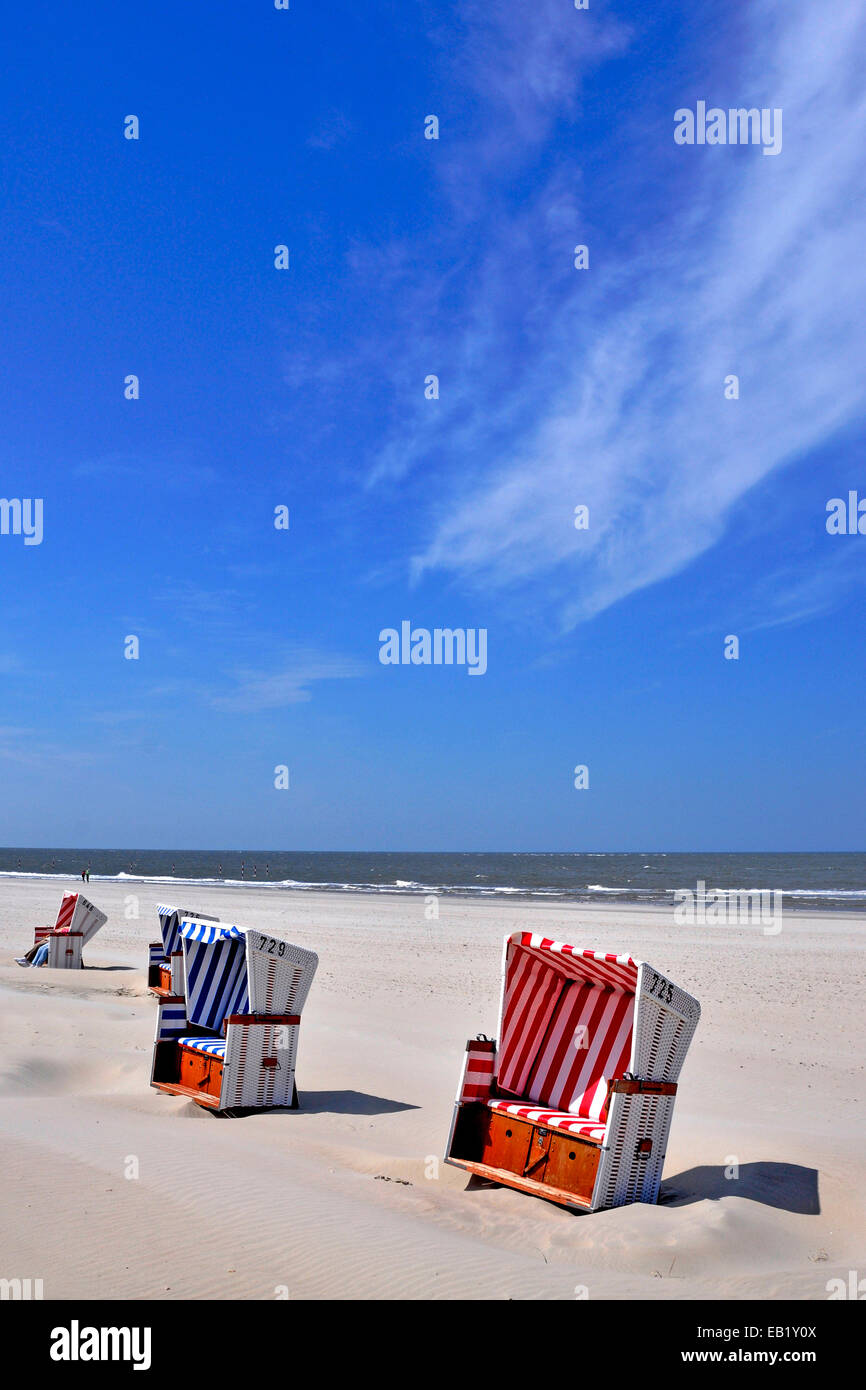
<point>327,1102</point>
<point>350,1103</point>
<point>785,1186</point>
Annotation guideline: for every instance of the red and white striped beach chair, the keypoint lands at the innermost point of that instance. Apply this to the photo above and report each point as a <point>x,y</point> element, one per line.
<point>165,963</point>
<point>575,1101</point>
<point>78,921</point>
<point>229,1041</point>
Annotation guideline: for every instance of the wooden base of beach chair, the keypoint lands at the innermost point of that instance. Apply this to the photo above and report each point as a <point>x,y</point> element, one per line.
<point>164,973</point>
<point>181,1070</point>
<point>159,981</point>
<point>501,1177</point>
<point>208,1102</point>
<point>156,961</point>
<point>202,1075</point>
<point>530,1157</point>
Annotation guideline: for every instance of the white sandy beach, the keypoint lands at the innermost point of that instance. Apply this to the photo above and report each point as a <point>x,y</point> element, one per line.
<point>344,1198</point>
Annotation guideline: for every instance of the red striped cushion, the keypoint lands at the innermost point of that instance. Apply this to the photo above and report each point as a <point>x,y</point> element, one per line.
<point>586,1043</point>
<point>479,1074</point>
<point>531,990</point>
<point>563,1038</point>
<point>552,1119</point>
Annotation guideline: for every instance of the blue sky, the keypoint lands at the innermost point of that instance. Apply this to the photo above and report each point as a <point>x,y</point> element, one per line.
<point>558,387</point>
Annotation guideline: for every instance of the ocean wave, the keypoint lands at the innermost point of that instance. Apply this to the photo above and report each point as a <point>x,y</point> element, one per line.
<point>824,892</point>
<point>647,893</point>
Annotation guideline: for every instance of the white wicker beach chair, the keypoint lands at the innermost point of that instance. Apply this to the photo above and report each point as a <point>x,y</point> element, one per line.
<point>229,1041</point>
<point>575,1102</point>
<point>78,921</point>
<point>165,963</point>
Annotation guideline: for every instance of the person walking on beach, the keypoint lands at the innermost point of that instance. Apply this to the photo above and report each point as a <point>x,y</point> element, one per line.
<point>83,872</point>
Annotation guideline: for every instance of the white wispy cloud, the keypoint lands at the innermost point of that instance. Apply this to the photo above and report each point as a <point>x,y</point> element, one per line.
<point>288,683</point>
<point>614,396</point>
<point>525,65</point>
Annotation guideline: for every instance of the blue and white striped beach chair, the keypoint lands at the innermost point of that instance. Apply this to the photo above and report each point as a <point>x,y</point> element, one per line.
<point>229,1041</point>
<point>165,964</point>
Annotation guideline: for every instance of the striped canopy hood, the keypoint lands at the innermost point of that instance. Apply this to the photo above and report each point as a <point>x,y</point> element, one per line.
<point>216,972</point>
<point>170,919</point>
<point>566,1023</point>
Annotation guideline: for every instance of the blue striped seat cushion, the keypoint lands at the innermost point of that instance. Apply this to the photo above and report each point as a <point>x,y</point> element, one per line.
<point>215,1046</point>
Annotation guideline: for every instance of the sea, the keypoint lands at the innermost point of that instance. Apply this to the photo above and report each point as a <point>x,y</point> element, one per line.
<point>835,881</point>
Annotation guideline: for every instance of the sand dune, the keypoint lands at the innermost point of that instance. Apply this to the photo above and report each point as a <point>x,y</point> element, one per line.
<point>346,1198</point>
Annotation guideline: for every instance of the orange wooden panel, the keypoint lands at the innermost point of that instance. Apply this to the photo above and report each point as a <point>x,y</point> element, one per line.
<point>504,1142</point>
<point>200,1071</point>
<point>645,1088</point>
<point>518,1152</point>
<point>571,1165</point>
<point>536,1158</point>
